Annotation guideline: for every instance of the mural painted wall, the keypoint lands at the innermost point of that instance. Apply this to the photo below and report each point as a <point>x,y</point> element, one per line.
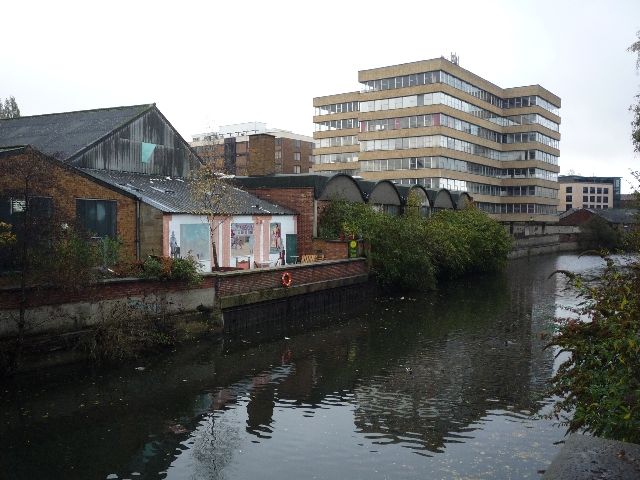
<point>242,240</point>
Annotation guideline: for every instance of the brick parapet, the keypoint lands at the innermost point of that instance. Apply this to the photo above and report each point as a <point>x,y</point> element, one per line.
<point>234,283</point>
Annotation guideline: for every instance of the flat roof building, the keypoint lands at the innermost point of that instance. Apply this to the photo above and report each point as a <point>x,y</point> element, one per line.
<point>435,124</point>
<point>253,149</point>
<point>595,193</point>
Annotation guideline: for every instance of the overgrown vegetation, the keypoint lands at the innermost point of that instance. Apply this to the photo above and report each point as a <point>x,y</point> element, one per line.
<point>176,269</point>
<point>599,382</point>
<point>597,234</point>
<point>129,330</point>
<point>410,252</point>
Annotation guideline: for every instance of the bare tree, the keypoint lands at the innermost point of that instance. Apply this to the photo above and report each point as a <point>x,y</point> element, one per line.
<point>40,248</point>
<point>214,197</point>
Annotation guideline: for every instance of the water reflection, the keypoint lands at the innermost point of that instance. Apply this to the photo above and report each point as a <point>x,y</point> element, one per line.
<point>455,377</point>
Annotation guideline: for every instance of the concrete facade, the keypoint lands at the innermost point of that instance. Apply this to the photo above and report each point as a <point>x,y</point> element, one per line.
<point>435,124</point>
<point>599,193</point>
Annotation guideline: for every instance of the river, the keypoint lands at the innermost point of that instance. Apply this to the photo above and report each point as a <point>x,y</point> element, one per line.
<point>446,385</point>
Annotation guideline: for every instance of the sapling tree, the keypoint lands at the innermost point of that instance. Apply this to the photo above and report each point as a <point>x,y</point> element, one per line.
<point>213,196</point>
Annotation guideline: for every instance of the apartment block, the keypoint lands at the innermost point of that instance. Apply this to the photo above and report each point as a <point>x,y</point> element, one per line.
<point>435,124</point>
<point>599,193</point>
<point>253,149</point>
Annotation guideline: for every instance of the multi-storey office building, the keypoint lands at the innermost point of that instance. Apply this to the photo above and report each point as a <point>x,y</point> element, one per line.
<point>436,124</point>
<point>598,193</point>
<point>252,149</point>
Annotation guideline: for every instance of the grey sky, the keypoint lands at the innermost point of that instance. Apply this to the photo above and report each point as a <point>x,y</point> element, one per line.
<point>210,63</point>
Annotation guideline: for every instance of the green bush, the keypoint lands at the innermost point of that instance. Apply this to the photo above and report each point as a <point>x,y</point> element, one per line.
<point>597,234</point>
<point>172,269</point>
<point>600,382</point>
<point>399,254</point>
<point>410,252</point>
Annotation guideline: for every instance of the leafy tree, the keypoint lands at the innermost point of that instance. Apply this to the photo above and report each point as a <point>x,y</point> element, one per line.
<point>599,384</point>
<point>9,108</point>
<point>597,234</point>
<point>635,109</point>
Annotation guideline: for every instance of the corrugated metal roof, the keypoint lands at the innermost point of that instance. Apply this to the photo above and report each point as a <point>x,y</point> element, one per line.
<point>173,195</point>
<point>62,135</point>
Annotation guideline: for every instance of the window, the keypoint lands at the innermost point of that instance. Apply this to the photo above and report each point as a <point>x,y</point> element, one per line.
<point>605,190</point>
<point>97,217</point>
<point>585,198</point>
<point>569,198</point>
<point>599,199</point>
<point>592,190</point>
<point>605,199</point>
<point>592,198</point>
<point>599,190</point>
<point>569,206</point>
<point>296,156</point>
<point>296,143</point>
<point>296,169</point>
<point>569,189</point>
<point>278,155</point>
<point>585,189</point>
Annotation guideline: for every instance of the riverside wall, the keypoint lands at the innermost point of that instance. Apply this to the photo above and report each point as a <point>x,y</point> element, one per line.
<point>56,311</point>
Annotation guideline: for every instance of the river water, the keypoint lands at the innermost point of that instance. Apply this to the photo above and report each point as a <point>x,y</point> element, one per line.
<point>446,385</point>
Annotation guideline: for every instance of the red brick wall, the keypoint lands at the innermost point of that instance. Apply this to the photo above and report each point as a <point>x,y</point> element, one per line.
<point>299,200</point>
<point>66,185</point>
<point>576,218</point>
<point>229,283</point>
<point>332,249</point>
<point>234,283</point>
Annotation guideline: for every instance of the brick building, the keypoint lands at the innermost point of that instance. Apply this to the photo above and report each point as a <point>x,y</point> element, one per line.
<point>250,149</point>
<point>120,172</point>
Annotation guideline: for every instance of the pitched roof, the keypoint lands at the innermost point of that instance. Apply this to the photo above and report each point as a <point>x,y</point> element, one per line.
<point>172,195</point>
<point>619,215</point>
<point>63,135</point>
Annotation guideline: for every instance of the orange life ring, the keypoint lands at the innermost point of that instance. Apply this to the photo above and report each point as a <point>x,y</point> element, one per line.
<point>286,279</point>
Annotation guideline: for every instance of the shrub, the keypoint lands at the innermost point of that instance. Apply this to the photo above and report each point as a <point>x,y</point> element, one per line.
<point>597,234</point>
<point>172,269</point>
<point>127,331</point>
<point>599,382</point>
<point>399,255</point>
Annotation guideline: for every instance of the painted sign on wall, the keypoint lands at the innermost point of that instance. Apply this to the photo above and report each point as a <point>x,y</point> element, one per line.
<point>242,239</point>
<point>194,240</point>
<point>275,240</point>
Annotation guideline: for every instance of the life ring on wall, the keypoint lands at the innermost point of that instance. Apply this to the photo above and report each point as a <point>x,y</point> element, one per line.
<point>286,279</point>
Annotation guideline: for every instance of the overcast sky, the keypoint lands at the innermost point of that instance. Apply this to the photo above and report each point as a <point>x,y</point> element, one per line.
<point>213,63</point>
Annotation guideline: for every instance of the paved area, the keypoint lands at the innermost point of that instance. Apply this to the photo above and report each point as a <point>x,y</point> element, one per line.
<point>590,458</point>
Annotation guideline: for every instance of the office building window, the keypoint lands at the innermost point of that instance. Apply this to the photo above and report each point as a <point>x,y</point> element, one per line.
<point>605,190</point>
<point>97,217</point>
<point>569,206</point>
<point>569,189</point>
<point>599,199</point>
<point>585,190</point>
<point>569,198</point>
<point>599,190</point>
<point>585,198</point>
<point>592,189</point>
<point>592,198</point>
<point>296,156</point>
<point>605,199</point>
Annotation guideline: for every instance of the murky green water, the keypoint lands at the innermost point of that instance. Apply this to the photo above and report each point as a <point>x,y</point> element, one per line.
<point>448,385</point>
